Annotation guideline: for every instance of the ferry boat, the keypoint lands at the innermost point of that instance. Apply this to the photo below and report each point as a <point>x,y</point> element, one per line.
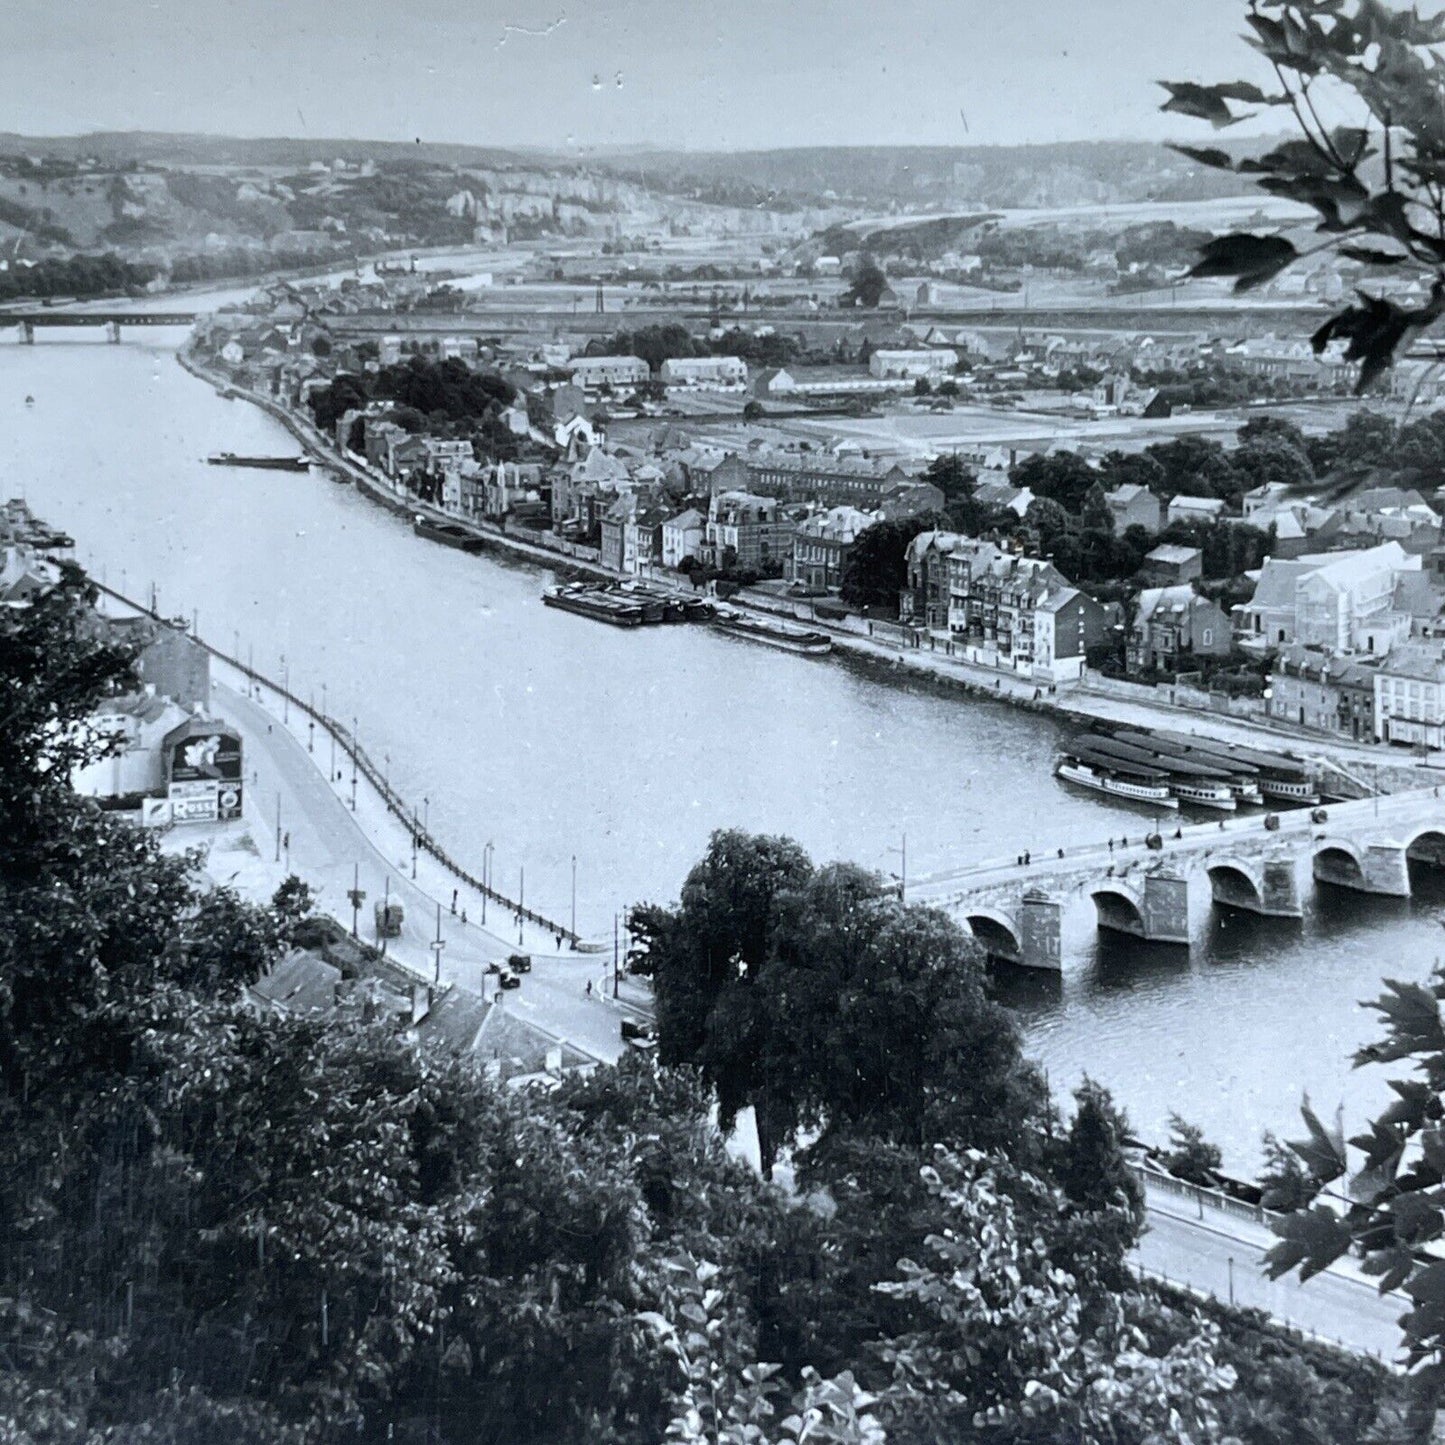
<point>589,601</point>
<point>449,534</point>
<point>1241,778</point>
<point>774,633</point>
<point>1134,786</point>
<point>1189,781</point>
<point>1279,776</point>
<point>270,464</point>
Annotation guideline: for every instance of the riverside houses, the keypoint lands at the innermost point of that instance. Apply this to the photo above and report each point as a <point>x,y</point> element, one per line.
<point>830,481</point>
<point>1020,613</point>
<point>1174,628</point>
<point>924,600</point>
<point>821,544</point>
<point>746,531</point>
<point>1410,695</point>
<point>1314,689</point>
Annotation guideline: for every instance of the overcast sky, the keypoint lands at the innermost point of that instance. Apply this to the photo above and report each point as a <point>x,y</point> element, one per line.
<point>701,74</point>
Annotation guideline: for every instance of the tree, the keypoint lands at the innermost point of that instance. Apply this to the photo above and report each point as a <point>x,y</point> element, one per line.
<point>753,411</point>
<point>1375,182</point>
<point>869,283</point>
<point>1009,1346</point>
<point>1270,461</point>
<point>1095,514</point>
<point>952,476</point>
<point>1277,428</point>
<point>1366,441</point>
<point>1194,465</point>
<point>1134,469</point>
<point>1191,1157</point>
<point>1063,477</point>
<point>876,568</point>
<point>1284,1182</point>
<point>921,387</point>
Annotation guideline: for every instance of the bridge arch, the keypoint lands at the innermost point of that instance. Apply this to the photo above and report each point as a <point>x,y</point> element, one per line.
<point>1236,884</point>
<point>1119,908</point>
<point>1338,861</point>
<point>996,932</point>
<point>1426,844</point>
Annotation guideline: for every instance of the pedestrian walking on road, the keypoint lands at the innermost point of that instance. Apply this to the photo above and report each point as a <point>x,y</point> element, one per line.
<point>464,917</point>
<point>1026,858</point>
<point>589,988</point>
<point>1111,845</point>
<point>454,902</point>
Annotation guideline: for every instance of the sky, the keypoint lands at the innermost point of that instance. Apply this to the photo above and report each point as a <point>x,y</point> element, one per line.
<point>666,74</point>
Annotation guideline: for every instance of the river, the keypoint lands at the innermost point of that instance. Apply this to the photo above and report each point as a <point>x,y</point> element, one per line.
<point>554,737</point>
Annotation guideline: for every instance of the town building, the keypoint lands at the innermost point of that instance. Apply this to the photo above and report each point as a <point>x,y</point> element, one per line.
<point>828,480</point>
<point>1171,562</point>
<point>682,536</point>
<point>904,500</point>
<point>171,663</point>
<point>1194,509</point>
<point>1174,629</point>
<point>1019,613</point>
<point>925,597</point>
<point>910,365</point>
<point>1340,601</point>
<point>591,372</point>
<point>140,722</point>
<point>821,544</point>
<point>1410,695</point>
<point>1131,505</point>
<point>1314,689</point>
<point>747,531</point>
<point>704,371</point>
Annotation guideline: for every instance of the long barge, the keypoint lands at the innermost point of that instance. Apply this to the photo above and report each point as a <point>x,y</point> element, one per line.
<point>449,534</point>
<point>593,602</point>
<point>773,633</point>
<point>268,464</point>
<point>1190,782</point>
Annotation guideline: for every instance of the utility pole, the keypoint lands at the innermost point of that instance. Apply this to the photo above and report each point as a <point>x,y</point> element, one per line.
<point>521,898</point>
<point>355,746</point>
<point>311,721</point>
<point>384,922</point>
<point>616,960</point>
<point>278,827</point>
<point>413,843</point>
<point>486,877</point>
<point>356,895</point>
<point>438,943</point>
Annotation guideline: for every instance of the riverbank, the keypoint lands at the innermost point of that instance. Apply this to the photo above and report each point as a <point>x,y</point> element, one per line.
<point>1086,701</point>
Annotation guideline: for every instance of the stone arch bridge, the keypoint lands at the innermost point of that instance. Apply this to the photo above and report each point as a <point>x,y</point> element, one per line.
<point>1367,845</point>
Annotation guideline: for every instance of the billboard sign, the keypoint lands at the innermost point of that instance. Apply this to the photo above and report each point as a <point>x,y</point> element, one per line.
<point>205,802</point>
<point>206,757</point>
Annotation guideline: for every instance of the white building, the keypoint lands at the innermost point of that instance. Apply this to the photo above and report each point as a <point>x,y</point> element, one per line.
<point>594,371</point>
<point>1339,601</point>
<point>1194,509</point>
<point>1410,695</point>
<point>682,536</point>
<point>705,371</point>
<point>909,365</point>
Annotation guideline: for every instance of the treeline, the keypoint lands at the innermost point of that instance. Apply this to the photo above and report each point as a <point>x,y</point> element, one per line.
<point>656,344</point>
<point>86,275</point>
<point>449,391</point>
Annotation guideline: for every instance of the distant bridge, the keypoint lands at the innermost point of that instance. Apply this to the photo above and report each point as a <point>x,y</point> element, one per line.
<point>27,321</point>
<point>1367,845</point>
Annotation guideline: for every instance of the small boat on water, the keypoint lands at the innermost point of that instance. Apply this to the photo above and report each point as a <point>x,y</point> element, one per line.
<point>591,601</point>
<point>774,633</point>
<point>449,534</point>
<point>29,401</point>
<point>1131,783</point>
<point>269,464</point>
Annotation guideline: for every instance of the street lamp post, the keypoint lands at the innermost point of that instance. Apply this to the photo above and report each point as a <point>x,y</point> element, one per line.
<point>311,721</point>
<point>278,827</point>
<point>356,894</point>
<point>486,877</point>
<point>413,843</point>
<point>438,943</point>
<point>521,899</point>
<point>574,897</point>
<point>355,746</point>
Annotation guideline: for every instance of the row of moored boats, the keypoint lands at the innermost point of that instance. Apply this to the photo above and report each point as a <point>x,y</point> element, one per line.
<point>636,604</point>
<point>1162,769</point>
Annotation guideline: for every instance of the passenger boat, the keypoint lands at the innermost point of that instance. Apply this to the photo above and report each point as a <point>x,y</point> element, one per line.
<point>1139,785</point>
<point>1189,781</point>
<point>270,464</point>
<point>774,633</point>
<point>1241,778</point>
<point>449,534</point>
<point>1278,775</point>
<point>590,601</point>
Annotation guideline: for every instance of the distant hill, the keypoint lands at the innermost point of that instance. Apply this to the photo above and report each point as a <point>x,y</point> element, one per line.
<point>168,149</point>
<point>985,177</point>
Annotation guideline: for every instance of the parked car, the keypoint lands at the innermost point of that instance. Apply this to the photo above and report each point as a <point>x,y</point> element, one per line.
<point>635,1029</point>
<point>494,967</point>
<point>520,963</point>
<point>509,980</point>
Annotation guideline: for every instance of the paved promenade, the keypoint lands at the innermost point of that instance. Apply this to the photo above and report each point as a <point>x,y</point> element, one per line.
<point>329,844</point>
<point>1214,1253</point>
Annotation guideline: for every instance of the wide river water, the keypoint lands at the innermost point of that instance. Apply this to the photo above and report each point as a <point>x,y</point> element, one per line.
<point>554,737</point>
